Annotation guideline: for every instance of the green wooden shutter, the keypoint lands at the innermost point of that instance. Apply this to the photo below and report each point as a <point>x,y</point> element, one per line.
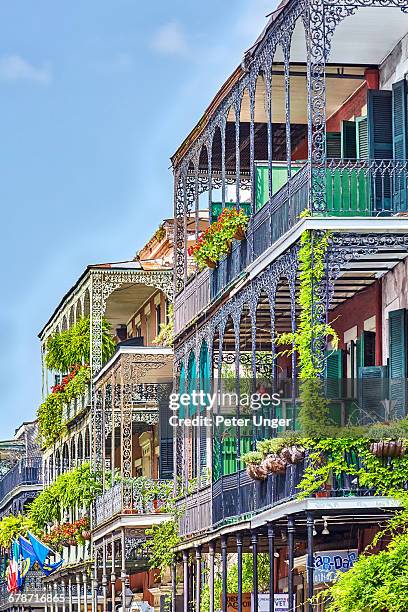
<point>366,349</point>
<point>379,109</point>
<point>166,436</point>
<point>373,389</point>
<point>397,339</point>
<point>362,137</point>
<point>348,140</point>
<point>399,126</point>
<point>333,145</point>
<point>334,376</point>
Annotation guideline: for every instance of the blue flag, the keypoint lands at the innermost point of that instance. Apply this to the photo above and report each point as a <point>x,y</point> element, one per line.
<point>41,551</point>
<point>28,556</point>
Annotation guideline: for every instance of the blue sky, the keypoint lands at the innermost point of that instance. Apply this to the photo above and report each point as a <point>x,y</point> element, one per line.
<point>95,96</point>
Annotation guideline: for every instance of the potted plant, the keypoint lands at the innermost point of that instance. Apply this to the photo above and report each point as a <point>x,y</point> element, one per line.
<point>274,464</point>
<point>255,469</point>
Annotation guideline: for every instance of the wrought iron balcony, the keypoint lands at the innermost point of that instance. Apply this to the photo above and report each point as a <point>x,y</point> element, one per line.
<point>195,514</point>
<point>25,472</point>
<point>135,497</point>
<point>77,406</point>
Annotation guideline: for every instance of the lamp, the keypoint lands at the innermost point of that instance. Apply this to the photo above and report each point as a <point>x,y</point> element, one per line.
<point>325,528</point>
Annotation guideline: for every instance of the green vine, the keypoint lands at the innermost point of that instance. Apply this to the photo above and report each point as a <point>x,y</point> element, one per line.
<point>13,526</point>
<point>70,347</point>
<point>78,487</point>
<point>50,413</point>
<point>163,540</point>
<point>314,412</point>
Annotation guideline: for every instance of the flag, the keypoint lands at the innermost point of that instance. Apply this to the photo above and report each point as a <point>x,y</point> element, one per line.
<point>49,568</point>
<point>12,570</point>
<point>18,558</point>
<point>28,556</point>
<point>41,552</point>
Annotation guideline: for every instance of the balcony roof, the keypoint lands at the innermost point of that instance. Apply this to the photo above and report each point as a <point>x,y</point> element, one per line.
<point>371,42</point>
<point>82,283</point>
<point>146,351</point>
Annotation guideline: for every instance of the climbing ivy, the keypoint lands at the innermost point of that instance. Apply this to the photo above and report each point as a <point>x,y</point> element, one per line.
<point>78,487</point>
<point>163,540</point>
<point>311,332</point>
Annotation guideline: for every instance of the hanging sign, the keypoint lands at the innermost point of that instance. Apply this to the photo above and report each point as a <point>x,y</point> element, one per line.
<point>328,563</point>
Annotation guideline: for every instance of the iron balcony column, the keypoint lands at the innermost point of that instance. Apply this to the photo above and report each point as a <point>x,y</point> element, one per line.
<point>211,576</point>
<point>174,585</point>
<point>291,559</point>
<point>198,578</point>
<point>310,561</point>
<point>185,580</point>
<point>254,542</point>
<point>224,572</point>
<point>271,551</point>
<point>239,563</point>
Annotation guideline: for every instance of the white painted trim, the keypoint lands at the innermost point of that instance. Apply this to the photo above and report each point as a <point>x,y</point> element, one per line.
<point>342,504</point>
<point>133,350</point>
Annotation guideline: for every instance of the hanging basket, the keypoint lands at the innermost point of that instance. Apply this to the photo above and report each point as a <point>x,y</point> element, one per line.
<point>210,263</point>
<point>256,471</point>
<point>86,535</point>
<point>239,233</point>
<point>390,448</point>
<point>274,464</point>
<point>293,454</point>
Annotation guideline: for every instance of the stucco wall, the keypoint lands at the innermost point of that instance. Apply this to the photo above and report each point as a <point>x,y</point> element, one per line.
<point>394,296</point>
<point>395,65</point>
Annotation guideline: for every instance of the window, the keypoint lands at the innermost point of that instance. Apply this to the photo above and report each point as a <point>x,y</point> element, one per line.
<point>158,318</point>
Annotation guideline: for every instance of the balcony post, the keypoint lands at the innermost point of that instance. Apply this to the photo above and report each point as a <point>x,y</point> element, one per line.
<point>211,555</point>
<point>310,560</point>
<point>185,581</point>
<point>64,601</point>
<point>237,110</point>
<point>224,562</point>
<point>254,542</point>
<point>271,552</point>
<point>78,585</point>
<point>316,84</point>
<point>239,566</point>
<point>223,126</point>
<point>174,585</point>
<point>123,574</point>
<point>85,583</point>
<point>113,576</point>
<point>70,606</point>
<point>198,578</point>
<point>113,391</point>
<point>291,559</point>
<point>104,579</point>
<point>55,606</point>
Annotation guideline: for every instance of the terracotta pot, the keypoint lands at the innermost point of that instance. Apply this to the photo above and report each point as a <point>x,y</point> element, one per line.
<point>210,263</point>
<point>274,464</point>
<point>239,233</point>
<point>86,535</point>
<point>256,472</point>
<point>72,542</point>
<point>293,454</point>
<point>325,492</point>
<point>392,448</point>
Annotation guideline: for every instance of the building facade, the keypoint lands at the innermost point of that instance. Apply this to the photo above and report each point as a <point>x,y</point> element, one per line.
<point>308,137</point>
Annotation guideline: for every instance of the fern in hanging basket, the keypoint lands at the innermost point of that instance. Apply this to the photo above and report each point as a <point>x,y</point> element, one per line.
<point>216,240</point>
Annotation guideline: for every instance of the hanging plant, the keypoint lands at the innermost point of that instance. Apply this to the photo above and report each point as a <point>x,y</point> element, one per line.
<point>216,240</point>
<point>50,422</point>
<point>70,347</point>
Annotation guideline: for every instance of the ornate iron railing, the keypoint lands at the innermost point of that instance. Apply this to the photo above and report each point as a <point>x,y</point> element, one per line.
<point>136,496</point>
<point>366,188</point>
<point>192,300</point>
<point>25,472</point>
<point>237,496</point>
<point>195,514</point>
<point>76,406</point>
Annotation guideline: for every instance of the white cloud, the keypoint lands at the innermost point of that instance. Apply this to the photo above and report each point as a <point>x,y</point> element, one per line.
<point>170,39</point>
<point>16,68</point>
